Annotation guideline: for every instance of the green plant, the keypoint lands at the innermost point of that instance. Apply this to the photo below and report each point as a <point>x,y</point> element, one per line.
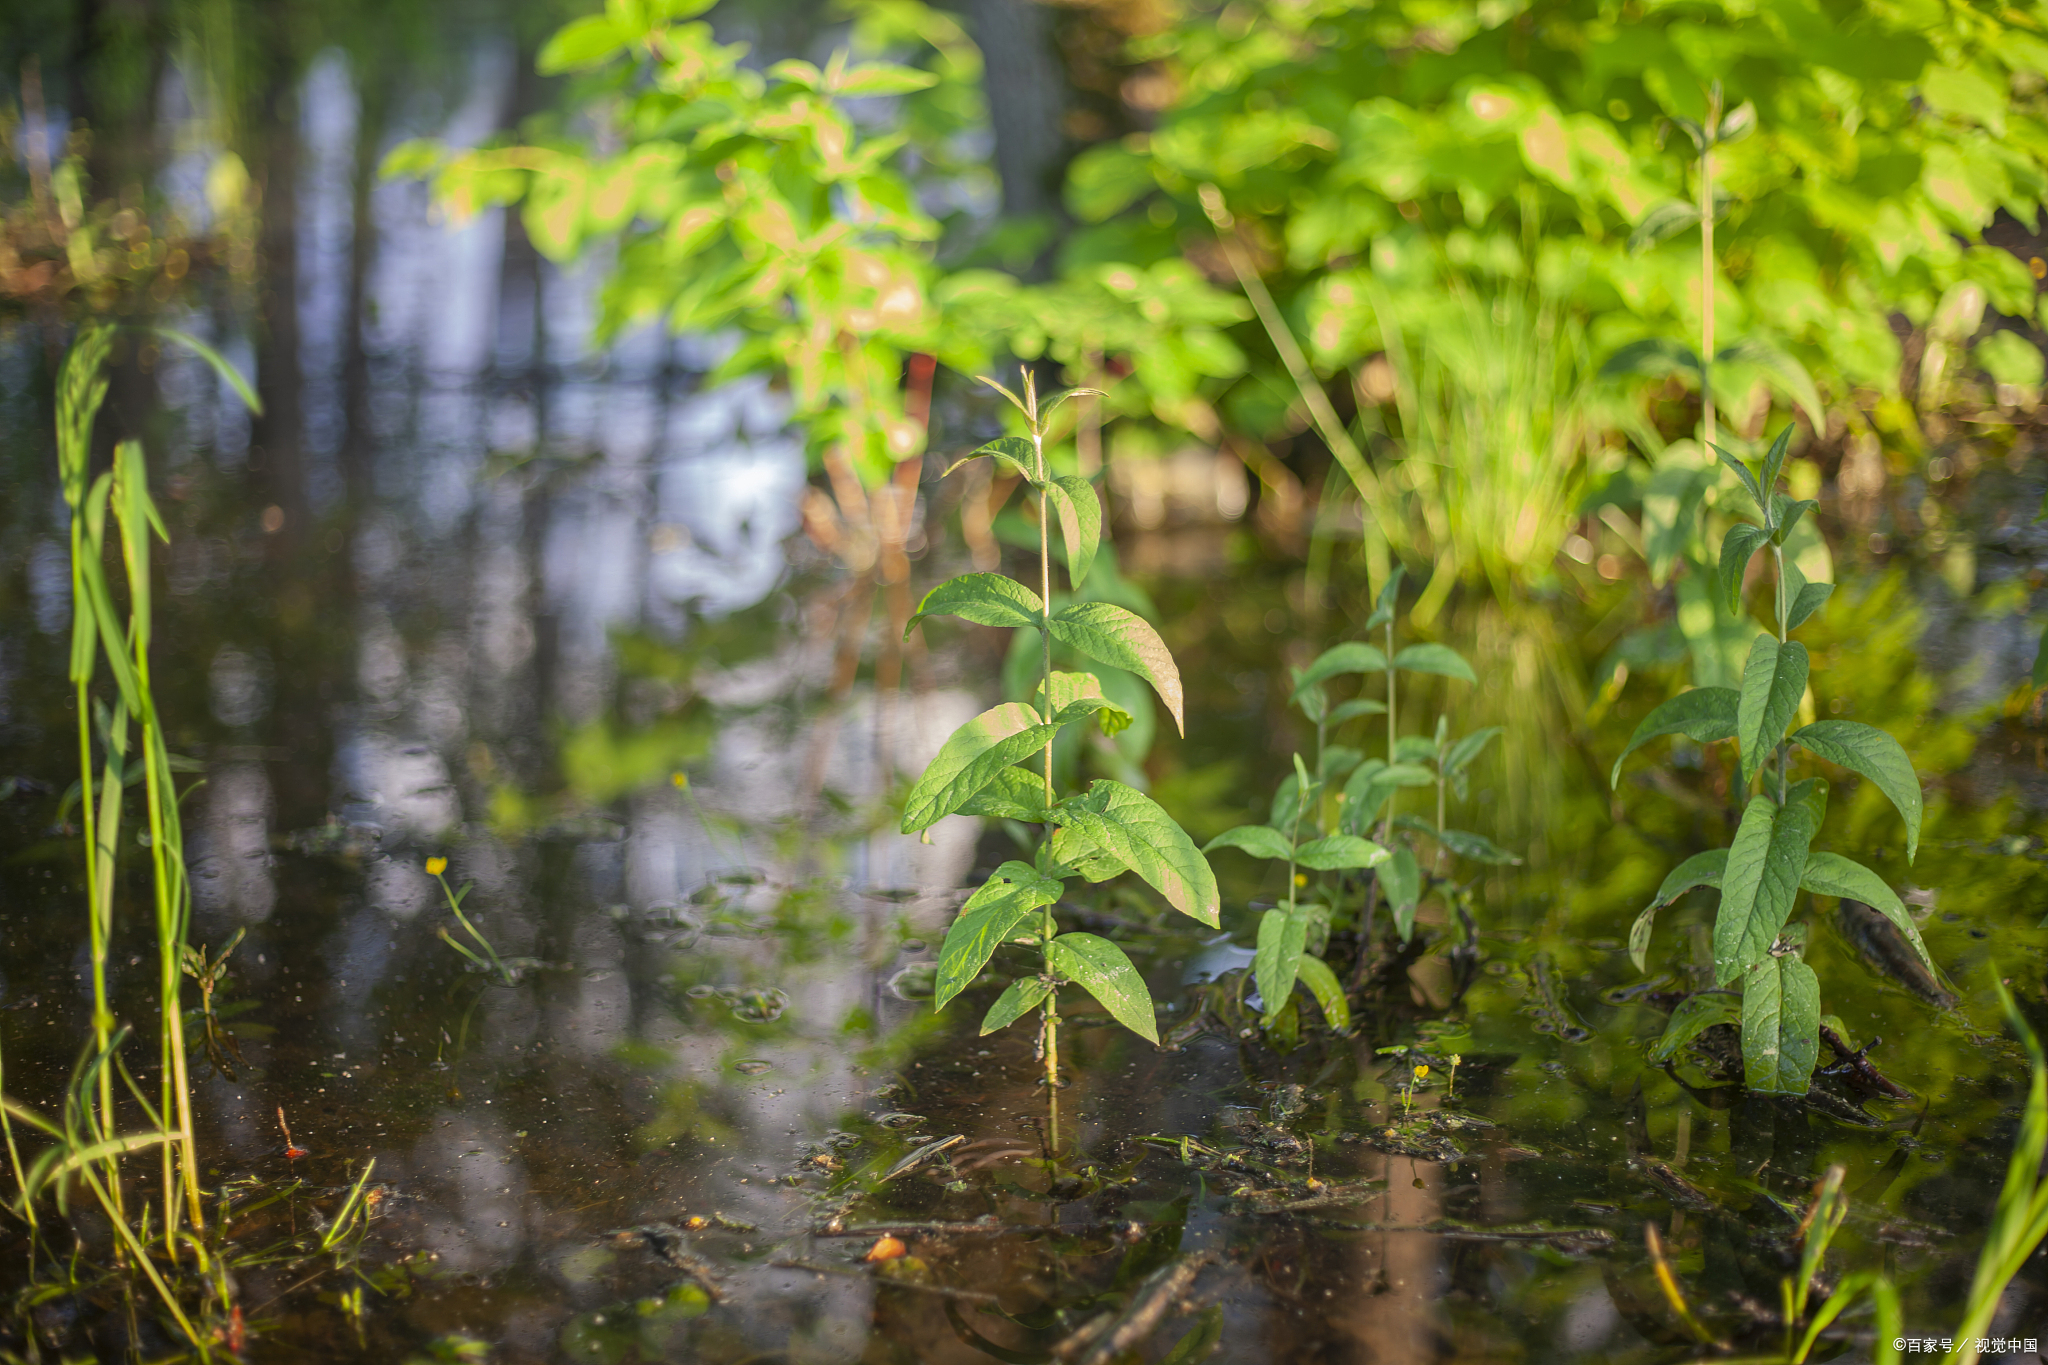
<point>1771,859</point>
<point>489,961</point>
<point>1107,830</point>
<point>1306,829</point>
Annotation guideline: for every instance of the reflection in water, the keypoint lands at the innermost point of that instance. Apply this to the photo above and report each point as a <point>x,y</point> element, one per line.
<point>540,609</point>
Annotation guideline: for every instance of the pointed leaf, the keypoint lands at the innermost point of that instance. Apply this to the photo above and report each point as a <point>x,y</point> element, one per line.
<point>1080,513</point>
<point>1322,983</point>
<point>1068,688</point>
<point>1440,659</point>
<point>1005,902</point>
<point>1741,542</point>
<point>1870,752</point>
<point>1012,794</point>
<point>1749,481</point>
<point>1023,996</point>
<point>1389,599</point>
<point>1695,1015</point>
<point>1013,453</point>
<point>1111,635</point>
<point>1132,828</point>
<point>1463,843</point>
<point>1773,681</point>
<point>1401,878</point>
<point>220,363</point>
<point>1701,869</point>
<point>1261,841</point>
<point>1780,1026</point>
<point>1830,874</point>
<point>1361,707</point>
<point>1353,656</point>
<point>1810,599</point>
<point>1340,851</point>
<point>1702,715</point>
<point>1100,968</point>
<point>1663,221</point>
<point>1787,516</point>
<point>1369,786</point>
<point>1774,460</point>
<point>1278,960</point>
<point>978,751</point>
<point>1652,358</point>
<point>1470,747</point>
<point>1760,883</point>
<point>1015,401</point>
<point>987,599</point>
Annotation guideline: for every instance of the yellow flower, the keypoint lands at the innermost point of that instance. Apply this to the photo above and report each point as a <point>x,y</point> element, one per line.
<point>1301,879</point>
<point>1422,1071</point>
<point>1456,1059</point>
<point>680,781</point>
<point>436,866</point>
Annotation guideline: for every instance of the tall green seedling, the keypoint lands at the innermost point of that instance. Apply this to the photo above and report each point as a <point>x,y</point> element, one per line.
<point>1302,832</point>
<point>1772,858</point>
<point>1000,764</point>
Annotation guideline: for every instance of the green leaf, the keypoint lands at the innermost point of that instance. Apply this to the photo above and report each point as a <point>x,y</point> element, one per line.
<point>1440,659</point>
<point>1773,681</point>
<point>1755,489</point>
<point>219,362</point>
<point>1068,688</point>
<point>1013,453</point>
<point>1353,656</point>
<point>1390,598</point>
<point>1340,851</point>
<point>1760,883</point>
<point>1741,542</point>
<point>1369,786</point>
<point>1701,869</point>
<point>1361,707</point>
<point>1780,1026</point>
<point>1131,827</point>
<point>1774,459</point>
<point>970,759</point>
<point>1788,515</point>
<point>1702,715</point>
<point>1278,959</point>
<point>1337,760</point>
<point>991,915</point>
<point>1199,1342</point>
<point>1830,874</point>
<point>879,78</point>
<point>1080,513</point>
<point>1401,878</point>
<point>1465,844</point>
<point>1810,599</point>
<point>582,43</point>
<point>1695,1015</point>
<point>1023,996</point>
<point>1662,222</point>
<point>987,599</point>
<point>1111,635</point>
<point>1012,794</point>
<point>1470,747</point>
<point>1652,358</point>
<point>1739,123</point>
<point>1870,752</point>
<point>1322,983</point>
<point>1100,968</point>
<point>1261,841</point>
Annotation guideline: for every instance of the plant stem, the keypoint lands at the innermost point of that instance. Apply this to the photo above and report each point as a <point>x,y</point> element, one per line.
<point>1387,824</point>
<point>1051,1006</point>
<point>1707,263</point>
<point>1784,611</point>
<point>1327,423</point>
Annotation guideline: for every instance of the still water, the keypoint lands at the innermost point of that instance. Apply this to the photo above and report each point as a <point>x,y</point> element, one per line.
<point>473,591</point>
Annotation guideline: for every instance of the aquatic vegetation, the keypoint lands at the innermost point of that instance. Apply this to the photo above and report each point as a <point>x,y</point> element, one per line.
<point>437,868</point>
<point>1101,833</point>
<point>1772,858</point>
<point>1323,826</point>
